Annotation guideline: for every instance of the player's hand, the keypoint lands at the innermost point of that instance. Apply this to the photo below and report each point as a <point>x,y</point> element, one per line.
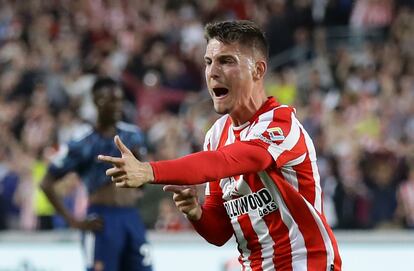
<point>90,223</point>
<point>127,171</point>
<point>186,200</point>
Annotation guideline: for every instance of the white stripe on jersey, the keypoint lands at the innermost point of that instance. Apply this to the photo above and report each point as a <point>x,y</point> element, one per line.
<point>265,240</point>
<point>242,242</point>
<point>259,128</point>
<point>231,138</point>
<point>207,141</point>
<point>318,190</point>
<point>215,132</point>
<point>290,175</point>
<point>297,242</point>
<point>207,189</point>
<point>244,133</point>
<point>325,236</point>
<point>296,161</point>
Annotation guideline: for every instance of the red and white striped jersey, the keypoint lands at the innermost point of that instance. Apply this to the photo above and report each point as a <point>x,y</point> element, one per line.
<point>276,214</point>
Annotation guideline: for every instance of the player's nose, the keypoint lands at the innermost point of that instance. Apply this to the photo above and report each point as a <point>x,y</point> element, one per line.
<point>213,71</point>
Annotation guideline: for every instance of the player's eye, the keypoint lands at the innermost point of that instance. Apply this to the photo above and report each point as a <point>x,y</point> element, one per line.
<point>227,60</point>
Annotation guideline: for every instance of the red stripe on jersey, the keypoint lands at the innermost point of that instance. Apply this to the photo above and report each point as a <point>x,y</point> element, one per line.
<point>304,174</point>
<point>253,243</point>
<point>315,246</point>
<point>254,181</point>
<point>282,117</point>
<point>240,252</point>
<point>337,259</point>
<point>298,150</point>
<point>279,232</point>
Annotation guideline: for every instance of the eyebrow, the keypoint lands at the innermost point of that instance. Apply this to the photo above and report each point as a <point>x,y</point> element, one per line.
<point>219,57</point>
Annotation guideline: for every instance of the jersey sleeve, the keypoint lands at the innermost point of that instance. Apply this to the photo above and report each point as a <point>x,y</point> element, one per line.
<point>67,159</point>
<point>230,160</point>
<point>138,146</point>
<point>281,134</point>
<point>133,138</point>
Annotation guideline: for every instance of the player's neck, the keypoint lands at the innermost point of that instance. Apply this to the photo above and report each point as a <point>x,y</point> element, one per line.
<point>106,129</point>
<point>244,113</point>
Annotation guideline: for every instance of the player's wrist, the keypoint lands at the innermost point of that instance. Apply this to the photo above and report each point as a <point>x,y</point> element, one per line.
<point>149,173</point>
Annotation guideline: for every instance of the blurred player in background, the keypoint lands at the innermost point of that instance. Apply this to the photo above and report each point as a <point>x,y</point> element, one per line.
<point>259,162</point>
<point>114,235</point>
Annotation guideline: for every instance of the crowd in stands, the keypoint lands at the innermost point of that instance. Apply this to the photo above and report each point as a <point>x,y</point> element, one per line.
<point>346,66</point>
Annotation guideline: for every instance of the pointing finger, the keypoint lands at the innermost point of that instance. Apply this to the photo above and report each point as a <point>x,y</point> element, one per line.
<point>121,146</point>
<point>174,188</point>
<point>185,194</point>
<point>117,161</point>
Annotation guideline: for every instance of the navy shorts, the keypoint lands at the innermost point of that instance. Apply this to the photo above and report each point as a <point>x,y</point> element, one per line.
<point>121,245</point>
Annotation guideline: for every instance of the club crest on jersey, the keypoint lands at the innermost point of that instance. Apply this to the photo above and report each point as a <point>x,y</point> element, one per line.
<point>260,201</point>
<point>276,134</point>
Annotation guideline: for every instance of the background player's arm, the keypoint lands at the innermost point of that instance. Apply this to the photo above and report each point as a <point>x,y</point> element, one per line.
<point>48,187</point>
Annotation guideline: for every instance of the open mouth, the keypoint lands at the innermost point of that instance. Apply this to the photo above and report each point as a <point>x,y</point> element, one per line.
<point>220,92</point>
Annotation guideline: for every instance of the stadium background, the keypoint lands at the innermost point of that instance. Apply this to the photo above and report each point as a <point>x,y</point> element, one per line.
<point>347,66</point>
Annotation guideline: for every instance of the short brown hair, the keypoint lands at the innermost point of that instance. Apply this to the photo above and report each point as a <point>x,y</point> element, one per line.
<point>243,32</point>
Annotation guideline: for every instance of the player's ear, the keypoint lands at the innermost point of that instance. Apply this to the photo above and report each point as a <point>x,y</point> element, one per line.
<point>259,70</point>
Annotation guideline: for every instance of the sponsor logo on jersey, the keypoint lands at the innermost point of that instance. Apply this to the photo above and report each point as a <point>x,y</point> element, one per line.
<point>276,134</point>
<point>264,139</point>
<point>260,201</point>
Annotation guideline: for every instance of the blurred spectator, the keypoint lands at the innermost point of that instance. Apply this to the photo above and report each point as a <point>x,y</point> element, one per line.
<point>405,198</point>
<point>170,219</point>
<point>372,13</point>
<point>43,209</point>
<point>380,179</point>
<point>9,211</point>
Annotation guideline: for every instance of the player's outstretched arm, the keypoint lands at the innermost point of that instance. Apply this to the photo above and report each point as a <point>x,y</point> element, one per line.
<point>127,170</point>
<point>195,168</point>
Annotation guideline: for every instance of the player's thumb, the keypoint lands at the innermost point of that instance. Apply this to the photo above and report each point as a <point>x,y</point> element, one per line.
<point>121,146</point>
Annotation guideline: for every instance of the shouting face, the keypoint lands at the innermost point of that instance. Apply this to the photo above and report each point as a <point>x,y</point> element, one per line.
<point>230,76</point>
